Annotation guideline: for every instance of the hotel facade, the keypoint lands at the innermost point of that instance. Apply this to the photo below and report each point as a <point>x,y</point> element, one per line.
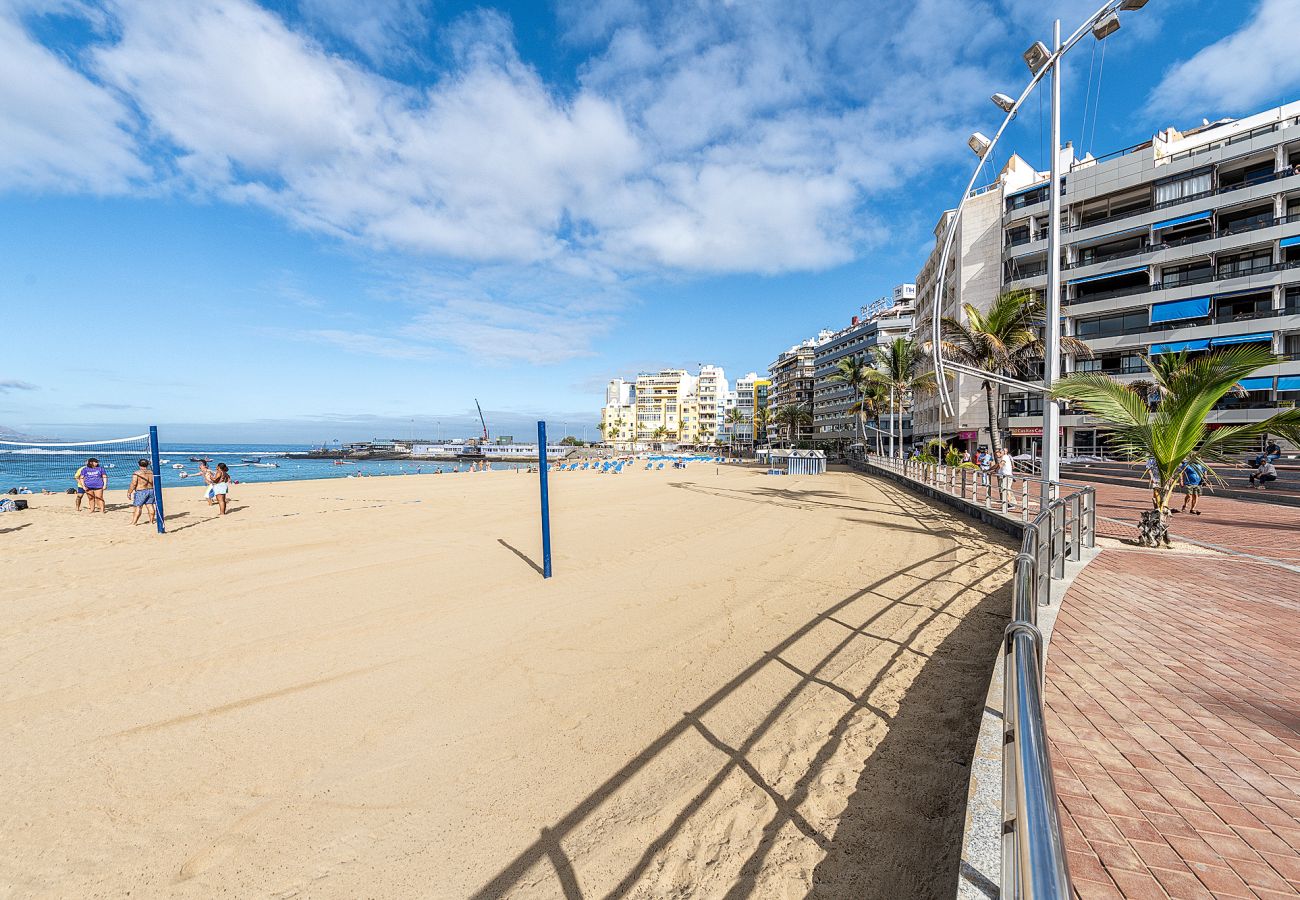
<point>1187,241</point>
<point>834,422</point>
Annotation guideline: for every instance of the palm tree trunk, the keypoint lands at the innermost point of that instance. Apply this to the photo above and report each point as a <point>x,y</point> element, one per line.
<point>994,443</point>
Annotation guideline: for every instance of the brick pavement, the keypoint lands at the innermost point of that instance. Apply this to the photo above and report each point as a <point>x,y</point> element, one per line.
<point>1173,691</point>
<point>1258,529</point>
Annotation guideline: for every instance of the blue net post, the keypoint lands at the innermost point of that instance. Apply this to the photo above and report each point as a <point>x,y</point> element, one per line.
<point>546,500</point>
<point>157,479</point>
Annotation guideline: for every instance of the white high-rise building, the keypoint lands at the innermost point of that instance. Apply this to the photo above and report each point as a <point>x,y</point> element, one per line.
<point>618,416</point>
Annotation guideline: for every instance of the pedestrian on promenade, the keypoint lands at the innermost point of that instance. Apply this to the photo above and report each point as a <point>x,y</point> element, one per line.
<point>1191,478</point>
<point>1152,475</point>
<point>985,462</point>
<point>1265,473</point>
<point>1006,479</point>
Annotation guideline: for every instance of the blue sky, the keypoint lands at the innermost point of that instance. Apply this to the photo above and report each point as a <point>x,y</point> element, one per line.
<point>317,219</point>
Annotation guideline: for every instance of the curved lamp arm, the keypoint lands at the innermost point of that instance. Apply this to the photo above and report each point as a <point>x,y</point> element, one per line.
<point>940,366</point>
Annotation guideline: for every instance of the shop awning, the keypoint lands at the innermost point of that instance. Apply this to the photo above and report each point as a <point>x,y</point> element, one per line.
<point>1289,241</point>
<point>1179,346</point>
<point>1288,383</point>
<point>1182,220</point>
<point>1108,275</point>
<point>1035,187</point>
<point>1256,384</point>
<point>1195,308</point>
<point>1257,338</point>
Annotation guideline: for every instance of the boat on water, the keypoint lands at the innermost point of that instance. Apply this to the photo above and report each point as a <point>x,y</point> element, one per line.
<point>176,465</point>
<point>262,465</point>
<point>251,460</point>
<point>198,459</point>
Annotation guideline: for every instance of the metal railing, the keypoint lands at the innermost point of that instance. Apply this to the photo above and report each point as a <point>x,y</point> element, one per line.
<point>1062,527</point>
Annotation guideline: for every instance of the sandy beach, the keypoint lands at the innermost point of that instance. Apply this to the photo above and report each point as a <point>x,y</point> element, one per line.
<point>735,685</point>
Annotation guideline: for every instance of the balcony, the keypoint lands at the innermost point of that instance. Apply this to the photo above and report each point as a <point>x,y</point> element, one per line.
<point>1239,228</point>
<point>1179,282</point>
<point>1190,198</point>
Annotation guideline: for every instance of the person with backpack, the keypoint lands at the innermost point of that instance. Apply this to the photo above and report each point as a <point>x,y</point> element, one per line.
<point>1192,478</point>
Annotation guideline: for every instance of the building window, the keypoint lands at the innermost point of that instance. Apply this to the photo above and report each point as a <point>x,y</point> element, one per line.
<point>1184,187</point>
<point>1134,321</point>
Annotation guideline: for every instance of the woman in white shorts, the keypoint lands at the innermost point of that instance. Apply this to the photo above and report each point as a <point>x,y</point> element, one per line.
<point>221,486</point>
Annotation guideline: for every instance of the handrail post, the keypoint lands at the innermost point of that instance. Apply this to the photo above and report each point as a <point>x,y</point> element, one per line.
<point>1024,500</point>
<point>1090,518</point>
<point>1075,548</point>
<point>1058,538</point>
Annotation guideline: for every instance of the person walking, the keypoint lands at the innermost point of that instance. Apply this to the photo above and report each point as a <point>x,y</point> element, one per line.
<point>1006,479</point>
<point>985,463</point>
<point>92,478</point>
<point>209,477</point>
<point>1191,478</point>
<point>221,486</point>
<point>141,492</point>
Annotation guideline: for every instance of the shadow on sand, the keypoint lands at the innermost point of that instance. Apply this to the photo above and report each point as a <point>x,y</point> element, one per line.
<point>900,835</point>
<point>519,553</point>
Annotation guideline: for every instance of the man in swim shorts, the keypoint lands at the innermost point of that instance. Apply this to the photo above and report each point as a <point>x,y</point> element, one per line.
<point>141,492</point>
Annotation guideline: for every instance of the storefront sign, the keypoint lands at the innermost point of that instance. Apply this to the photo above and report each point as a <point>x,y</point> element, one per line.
<point>1033,432</point>
<point>967,435</point>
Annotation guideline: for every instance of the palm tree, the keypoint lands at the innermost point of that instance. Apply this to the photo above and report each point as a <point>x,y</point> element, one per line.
<point>855,372</point>
<point>900,366</point>
<point>1003,340</point>
<point>1175,434</point>
<point>733,418</point>
<point>793,416</point>
<point>659,433</point>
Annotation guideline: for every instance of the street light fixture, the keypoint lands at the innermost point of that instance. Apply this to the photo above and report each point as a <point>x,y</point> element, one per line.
<point>979,143</point>
<point>1106,27</point>
<point>1129,5</point>
<point>1005,103</point>
<point>1037,56</point>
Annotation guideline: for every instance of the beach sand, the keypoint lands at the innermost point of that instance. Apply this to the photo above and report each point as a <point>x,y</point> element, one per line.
<point>736,685</point>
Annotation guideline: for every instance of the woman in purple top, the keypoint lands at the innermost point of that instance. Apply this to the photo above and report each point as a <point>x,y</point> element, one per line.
<point>94,479</point>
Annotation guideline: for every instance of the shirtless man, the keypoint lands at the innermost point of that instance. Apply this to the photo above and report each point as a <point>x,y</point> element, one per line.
<point>141,492</point>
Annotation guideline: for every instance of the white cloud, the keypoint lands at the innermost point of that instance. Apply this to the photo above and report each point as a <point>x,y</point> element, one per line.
<point>381,29</point>
<point>62,132</point>
<point>364,344</point>
<point>12,384</point>
<point>700,137</point>
<point>1234,75</point>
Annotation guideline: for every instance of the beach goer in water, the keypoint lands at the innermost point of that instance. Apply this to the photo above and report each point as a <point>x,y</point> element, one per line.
<point>1191,478</point>
<point>92,479</point>
<point>140,492</point>
<point>221,486</point>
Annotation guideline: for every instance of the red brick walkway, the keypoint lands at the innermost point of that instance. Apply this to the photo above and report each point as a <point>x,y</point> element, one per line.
<point>1258,529</point>
<point>1173,689</point>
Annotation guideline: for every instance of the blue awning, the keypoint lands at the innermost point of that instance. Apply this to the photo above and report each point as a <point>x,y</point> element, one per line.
<point>1182,220</point>
<point>1288,383</point>
<point>1258,337</point>
<point>1178,346</point>
<point>1103,238</point>
<point>1036,187</point>
<point>1289,242</point>
<point>1256,384</point>
<point>1195,308</point>
<point>1108,275</point>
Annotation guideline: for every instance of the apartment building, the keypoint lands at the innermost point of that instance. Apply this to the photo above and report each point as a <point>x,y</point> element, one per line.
<point>1188,241</point>
<point>973,276</point>
<point>618,415</point>
<point>793,377</point>
<point>752,394</point>
<point>834,424</point>
<point>710,406</point>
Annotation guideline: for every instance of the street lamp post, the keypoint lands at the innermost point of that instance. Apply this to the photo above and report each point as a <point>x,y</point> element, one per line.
<point>1042,62</point>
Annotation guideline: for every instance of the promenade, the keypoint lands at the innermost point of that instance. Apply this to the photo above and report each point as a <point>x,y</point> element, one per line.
<point>1173,691</point>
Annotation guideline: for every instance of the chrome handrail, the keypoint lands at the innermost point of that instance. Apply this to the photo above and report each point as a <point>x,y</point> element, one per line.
<point>1033,846</point>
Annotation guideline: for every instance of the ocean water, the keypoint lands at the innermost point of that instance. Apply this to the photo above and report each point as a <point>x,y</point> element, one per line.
<point>37,469</point>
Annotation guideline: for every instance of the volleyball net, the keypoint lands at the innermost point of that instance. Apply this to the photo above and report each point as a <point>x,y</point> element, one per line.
<point>53,467</point>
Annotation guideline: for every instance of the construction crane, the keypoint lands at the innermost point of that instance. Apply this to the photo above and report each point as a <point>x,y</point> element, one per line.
<point>482,420</point>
